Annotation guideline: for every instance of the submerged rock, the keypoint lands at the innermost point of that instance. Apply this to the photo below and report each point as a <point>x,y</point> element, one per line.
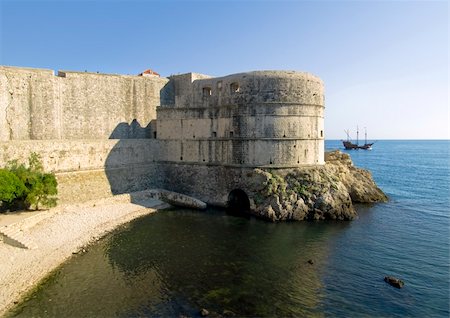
<point>228,313</point>
<point>394,281</point>
<point>313,193</point>
<point>204,312</point>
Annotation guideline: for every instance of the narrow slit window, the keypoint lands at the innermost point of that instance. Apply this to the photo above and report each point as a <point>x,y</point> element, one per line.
<point>231,134</point>
<point>321,133</point>
<point>207,91</point>
<point>214,134</point>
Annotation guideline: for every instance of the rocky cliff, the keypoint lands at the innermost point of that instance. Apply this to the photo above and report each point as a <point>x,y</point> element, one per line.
<point>312,193</point>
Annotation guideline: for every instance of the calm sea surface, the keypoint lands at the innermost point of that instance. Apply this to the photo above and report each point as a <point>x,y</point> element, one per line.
<point>176,262</point>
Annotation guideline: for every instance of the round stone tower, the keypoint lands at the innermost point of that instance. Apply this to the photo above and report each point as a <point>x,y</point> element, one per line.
<point>271,118</point>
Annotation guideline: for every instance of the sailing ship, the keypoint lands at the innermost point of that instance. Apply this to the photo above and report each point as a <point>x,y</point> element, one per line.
<point>348,145</point>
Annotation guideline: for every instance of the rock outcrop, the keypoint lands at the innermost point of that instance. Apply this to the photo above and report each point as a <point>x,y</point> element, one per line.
<point>359,182</point>
<point>312,193</point>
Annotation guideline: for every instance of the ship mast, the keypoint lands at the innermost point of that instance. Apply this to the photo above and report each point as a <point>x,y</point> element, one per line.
<point>365,135</point>
<point>357,135</point>
<point>348,134</point>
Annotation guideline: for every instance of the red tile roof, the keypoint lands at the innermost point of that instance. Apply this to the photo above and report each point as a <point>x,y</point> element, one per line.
<point>149,72</point>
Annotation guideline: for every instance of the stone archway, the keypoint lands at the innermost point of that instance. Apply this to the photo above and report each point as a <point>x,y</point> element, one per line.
<point>238,202</point>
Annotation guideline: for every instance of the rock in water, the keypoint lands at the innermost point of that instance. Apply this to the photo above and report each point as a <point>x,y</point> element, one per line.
<point>359,182</point>
<point>178,199</point>
<point>394,281</point>
<point>228,313</point>
<point>204,312</point>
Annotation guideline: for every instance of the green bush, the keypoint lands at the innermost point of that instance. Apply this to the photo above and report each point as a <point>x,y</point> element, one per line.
<point>42,190</point>
<point>39,188</point>
<point>11,188</point>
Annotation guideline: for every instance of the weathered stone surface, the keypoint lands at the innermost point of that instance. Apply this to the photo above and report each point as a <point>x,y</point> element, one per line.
<point>258,132</point>
<point>35,104</point>
<point>359,182</point>
<point>314,193</point>
<point>253,119</point>
<point>178,199</point>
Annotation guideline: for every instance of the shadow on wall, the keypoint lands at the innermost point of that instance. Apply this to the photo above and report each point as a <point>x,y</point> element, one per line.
<point>129,166</point>
<point>134,130</point>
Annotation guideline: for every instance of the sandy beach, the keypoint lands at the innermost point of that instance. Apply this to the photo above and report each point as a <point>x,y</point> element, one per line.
<point>59,233</point>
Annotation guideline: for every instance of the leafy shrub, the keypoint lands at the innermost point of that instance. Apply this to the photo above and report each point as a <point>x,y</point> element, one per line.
<point>275,184</point>
<point>42,190</point>
<point>39,188</point>
<point>11,188</point>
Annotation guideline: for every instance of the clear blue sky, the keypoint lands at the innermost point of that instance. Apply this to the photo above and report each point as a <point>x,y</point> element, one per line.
<point>385,64</point>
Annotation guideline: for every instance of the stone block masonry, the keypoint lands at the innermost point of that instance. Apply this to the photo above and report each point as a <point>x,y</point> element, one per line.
<point>90,169</point>
<point>255,119</point>
<point>105,134</point>
<point>37,105</point>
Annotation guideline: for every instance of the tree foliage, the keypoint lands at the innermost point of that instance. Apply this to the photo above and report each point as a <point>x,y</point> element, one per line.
<point>27,186</point>
<point>11,187</point>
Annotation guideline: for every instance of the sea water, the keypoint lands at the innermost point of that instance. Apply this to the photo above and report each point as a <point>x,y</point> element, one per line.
<point>176,262</point>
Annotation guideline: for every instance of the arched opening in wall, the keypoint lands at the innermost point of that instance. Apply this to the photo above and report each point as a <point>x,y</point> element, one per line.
<point>234,88</point>
<point>238,202</point>
<point>321,133</point>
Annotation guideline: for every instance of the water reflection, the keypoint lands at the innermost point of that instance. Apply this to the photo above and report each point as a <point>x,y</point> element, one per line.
<point>220,262</point>
<point>175,262</point>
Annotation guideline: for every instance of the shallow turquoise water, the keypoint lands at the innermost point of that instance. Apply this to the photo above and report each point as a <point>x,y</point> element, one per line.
<point>175,262</point>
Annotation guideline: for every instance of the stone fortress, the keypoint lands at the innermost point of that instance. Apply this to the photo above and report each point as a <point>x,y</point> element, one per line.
<point>105,134</point>
<point>256,119</point>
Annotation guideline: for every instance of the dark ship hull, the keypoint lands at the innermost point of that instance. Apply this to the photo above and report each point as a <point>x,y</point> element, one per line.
<point>351,146</point>
<point>366,146</point>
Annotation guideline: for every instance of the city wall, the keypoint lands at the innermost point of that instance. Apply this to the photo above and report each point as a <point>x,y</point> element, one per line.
<point>93,130</point>
<point>36,104</point>
<point>89,169</point>
<point>110,134</point>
